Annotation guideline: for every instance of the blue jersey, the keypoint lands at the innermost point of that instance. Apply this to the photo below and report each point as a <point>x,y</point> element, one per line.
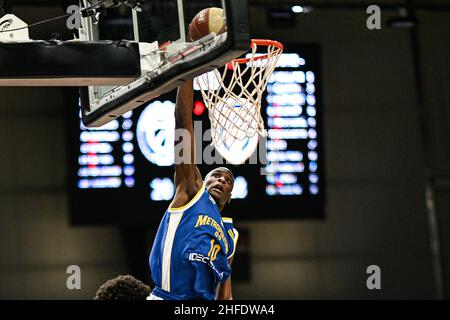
<point>191,249</point>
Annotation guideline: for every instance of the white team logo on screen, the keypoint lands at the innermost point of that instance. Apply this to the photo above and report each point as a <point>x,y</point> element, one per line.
<point>238,151</point>
<point>155,132</point>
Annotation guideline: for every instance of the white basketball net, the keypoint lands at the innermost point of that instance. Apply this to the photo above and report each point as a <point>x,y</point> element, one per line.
<point>235,105</point>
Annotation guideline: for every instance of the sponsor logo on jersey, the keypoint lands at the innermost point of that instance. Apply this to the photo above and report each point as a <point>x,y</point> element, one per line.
<point>201,258</point>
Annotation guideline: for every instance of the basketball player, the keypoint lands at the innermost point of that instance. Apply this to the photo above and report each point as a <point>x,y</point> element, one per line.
<point>194,246</point>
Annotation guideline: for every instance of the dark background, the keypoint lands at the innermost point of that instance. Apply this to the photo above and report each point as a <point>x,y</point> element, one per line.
<point>94,206</point>
<point>386,127</point>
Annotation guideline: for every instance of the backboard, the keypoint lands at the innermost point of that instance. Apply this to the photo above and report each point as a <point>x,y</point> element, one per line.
<point>167,57</point>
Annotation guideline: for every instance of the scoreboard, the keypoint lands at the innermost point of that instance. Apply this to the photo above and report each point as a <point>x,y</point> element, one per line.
<point>123,172</point>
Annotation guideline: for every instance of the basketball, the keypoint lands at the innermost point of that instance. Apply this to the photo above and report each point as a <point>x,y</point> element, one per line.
<point>207,21</point>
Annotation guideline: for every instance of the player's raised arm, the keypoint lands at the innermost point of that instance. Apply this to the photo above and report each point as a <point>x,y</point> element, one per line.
<point>187,177</point>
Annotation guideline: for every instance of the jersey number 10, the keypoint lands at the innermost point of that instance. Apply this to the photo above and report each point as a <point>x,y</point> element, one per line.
<point>215,248</point>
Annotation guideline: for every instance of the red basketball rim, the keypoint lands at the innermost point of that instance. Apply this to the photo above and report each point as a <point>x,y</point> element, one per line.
<point>260,42</point>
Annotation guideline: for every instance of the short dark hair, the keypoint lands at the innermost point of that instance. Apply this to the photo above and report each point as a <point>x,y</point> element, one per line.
<point>223,169</point>
<point>123,287</point>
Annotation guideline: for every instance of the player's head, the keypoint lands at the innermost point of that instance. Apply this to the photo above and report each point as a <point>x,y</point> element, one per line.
<point>219,183</point>
<point>123,288</point>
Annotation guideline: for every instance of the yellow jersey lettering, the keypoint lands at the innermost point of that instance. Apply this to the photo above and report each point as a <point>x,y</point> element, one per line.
<point>206,220</point>
<point>201,221</point>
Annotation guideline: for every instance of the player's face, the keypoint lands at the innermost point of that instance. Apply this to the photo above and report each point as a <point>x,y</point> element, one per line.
<point>219,185</point>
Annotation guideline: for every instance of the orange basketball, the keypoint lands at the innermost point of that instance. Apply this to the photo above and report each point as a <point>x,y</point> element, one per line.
<point>207,21</point>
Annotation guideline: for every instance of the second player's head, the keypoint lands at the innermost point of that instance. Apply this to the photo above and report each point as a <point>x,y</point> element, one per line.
<point>123,287</point>
<point>219,183</point>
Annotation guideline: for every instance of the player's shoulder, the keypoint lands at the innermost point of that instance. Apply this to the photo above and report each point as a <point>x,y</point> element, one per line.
<point>230,229</point>
<point>232,233</point>
<point>208,205</point>
<point>228,223</point>
<point>183,202</point>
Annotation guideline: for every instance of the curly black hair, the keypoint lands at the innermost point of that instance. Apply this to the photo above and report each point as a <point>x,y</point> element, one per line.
<point>123,287</point>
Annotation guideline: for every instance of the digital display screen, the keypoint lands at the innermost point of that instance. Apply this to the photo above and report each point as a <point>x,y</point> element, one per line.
<point>123,172</point>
